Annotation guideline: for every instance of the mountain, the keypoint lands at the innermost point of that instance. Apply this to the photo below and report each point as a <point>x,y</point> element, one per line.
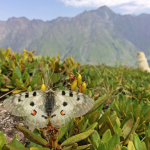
<point>96,36</point>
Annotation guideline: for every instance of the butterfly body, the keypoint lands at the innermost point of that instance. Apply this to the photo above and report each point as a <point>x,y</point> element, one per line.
<point>50,102</point>
<point>38,108</point>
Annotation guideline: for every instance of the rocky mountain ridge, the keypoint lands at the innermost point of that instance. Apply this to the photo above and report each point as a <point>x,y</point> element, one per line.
<point>96,36</point>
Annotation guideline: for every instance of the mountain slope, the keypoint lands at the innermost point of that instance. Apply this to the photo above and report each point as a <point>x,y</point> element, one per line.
<point>97,36</point>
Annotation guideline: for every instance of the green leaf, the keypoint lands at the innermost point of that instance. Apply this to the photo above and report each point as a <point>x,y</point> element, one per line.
<point>126,119</point>
<point>29,88</point>
<point>84,126</point>
<point>117,109</point>
<point>143,146</point>
<point>4,90</point>
<point>95,139</point>
<point>77,138</point>
<point>148,131</point>
<point>39,148</point>
<point>34,80</point>
<point>128,103</point>
<point>58,76</point>
<point>100,108</point>
<point>117,124</point>
<point>104,127</point>
<point>3,140</point>
<point>137,142</point>
<point>135,105</point>
<point>102,146</point>
<point>32,144</point>
<point>16,143</point>
<point>16,148</point>
<point>113,141</point>
<point>98,102</point>
<point>119,131</point>
<point>20,84</point>
<point>17,71</point>
<point>93,126</point>
<point>75,73</point>
<point>25,75</point>
<point>54,77</point>
<point>133,128</point>
<point>117,147</point>
<point>145,109</point>
<point>32,136</point>
<point>83,147</point>
<point>62,131</point>
<point>127,127</point>
<point>147,118</point>
<point>104,117</point>
<point>110,125</point>
<point>94,116</point>
<point>131,145</point>
<point>67,148</point>
<point>2,58</point>
<point>106,136</point>
<point>124,148</point>
<point>137,112</point>
<point>71,127</point>
<point>89,80</point>
<point>14,77</point>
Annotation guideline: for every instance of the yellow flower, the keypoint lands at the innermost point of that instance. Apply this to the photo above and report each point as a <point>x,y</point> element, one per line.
<point>7,53</point>
<point>58,57</point>
<point>25,54</point>
<point>83,87</point>
<point>72,61</point>
<point>79,80</point>
<point>30,57</point>
<point>74,85</point>
<point>21,64</point>
<point>43,87</point>
<point>24,51</point>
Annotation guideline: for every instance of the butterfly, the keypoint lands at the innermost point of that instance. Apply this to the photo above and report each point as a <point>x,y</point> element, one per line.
<point>38,108</point>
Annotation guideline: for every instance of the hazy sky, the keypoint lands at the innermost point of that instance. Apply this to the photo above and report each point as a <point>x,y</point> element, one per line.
<point>51,9</point>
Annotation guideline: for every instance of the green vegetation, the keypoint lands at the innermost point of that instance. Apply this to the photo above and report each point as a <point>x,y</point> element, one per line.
<point>2,49</point>
<point>119,119</point>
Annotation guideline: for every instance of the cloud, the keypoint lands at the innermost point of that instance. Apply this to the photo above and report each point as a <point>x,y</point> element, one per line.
<point>128,9</point>
<point>128,6</point>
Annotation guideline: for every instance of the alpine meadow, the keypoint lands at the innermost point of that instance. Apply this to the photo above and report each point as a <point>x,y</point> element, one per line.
<point>78,83</point>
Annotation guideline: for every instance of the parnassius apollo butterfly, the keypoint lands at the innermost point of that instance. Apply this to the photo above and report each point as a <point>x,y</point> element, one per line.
<point>38,108</point>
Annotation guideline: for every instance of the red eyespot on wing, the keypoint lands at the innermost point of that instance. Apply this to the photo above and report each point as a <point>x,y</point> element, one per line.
<point>33,112</point>
<point>62,112</point>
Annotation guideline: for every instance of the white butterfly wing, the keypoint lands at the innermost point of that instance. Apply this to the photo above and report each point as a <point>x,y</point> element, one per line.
<point>40,120</point>
<point>57,119</point>
<point>25,104</point>
<point>73,104</point>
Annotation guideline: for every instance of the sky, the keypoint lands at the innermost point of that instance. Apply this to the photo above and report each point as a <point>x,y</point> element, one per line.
<point>47,10</point>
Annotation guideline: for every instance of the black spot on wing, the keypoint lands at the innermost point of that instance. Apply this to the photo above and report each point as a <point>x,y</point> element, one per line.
<point>65,104</point>
<point>32,103</point>
<point>71,94</point>
<point>53,116</point>
<point>19,100</point>
<point>78,98</point>
<point>63,92</point>
<point>26,95</point>
<point>44,117</point>
<point>34,93</point>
